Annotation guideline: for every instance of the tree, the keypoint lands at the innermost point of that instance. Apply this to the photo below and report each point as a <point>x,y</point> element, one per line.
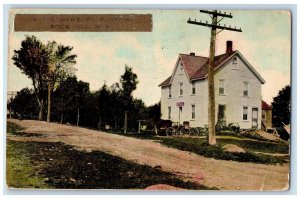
<point>103,105</point>
<point>45,65</point>
<point>60,67</point>
<point>281,107</point>
<point>153,112</point>
<point>129,82</point>
<point>24,105</point>
<point>65,98</point>
<point>33,59</point>
<point>83,88</point>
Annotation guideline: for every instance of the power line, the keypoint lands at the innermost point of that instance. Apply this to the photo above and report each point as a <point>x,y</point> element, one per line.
<point>11,95</point>
<point>215,24</point>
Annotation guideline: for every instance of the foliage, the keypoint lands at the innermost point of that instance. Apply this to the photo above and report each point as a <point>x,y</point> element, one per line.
<point>72,99</point>
<point>129,81</point>
<point>33,60</point>
<point>68,97</point>
<point>104,104</point>
<point>153,112</point>
<point>232,127</point>
<point>24,104</point>
<point>281,107</point>
<point>44,64</point>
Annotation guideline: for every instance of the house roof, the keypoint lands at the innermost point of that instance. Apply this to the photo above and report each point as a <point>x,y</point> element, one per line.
<point>166,82</point>
<point>265,106</point>
<point>196,67</point>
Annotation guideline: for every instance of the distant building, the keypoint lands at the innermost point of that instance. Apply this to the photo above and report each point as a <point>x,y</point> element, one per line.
<point>266,115</point>
<point>184,95</point>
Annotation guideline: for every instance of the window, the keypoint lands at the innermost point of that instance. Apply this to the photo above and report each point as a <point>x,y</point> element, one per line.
<point>222,86</point>
<point>180,88</point>
<point>170,91</point>
<point>245,89</point>
<point>234,63</point>
<point>181,66</point>
<point>181,69</point>
<point>245,113</point>
<point>193,88</point>
<point>193,111</point>
<point>234,60</point>
<point>169,113</point>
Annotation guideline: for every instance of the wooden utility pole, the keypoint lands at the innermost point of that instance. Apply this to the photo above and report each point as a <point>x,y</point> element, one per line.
<point>211,88</point>
<point>11,95</point>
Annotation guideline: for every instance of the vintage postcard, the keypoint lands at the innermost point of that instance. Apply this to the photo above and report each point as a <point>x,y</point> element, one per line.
<point>149,99</point>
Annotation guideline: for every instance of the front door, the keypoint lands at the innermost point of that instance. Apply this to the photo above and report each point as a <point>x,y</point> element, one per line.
<point>221,116</point>
<point>180,111</point>
<point>254,117</point>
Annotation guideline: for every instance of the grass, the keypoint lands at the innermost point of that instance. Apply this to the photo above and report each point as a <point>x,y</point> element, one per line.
<point>253,147</point>
<point>20,172</point>
<point>13,128</point>
<point>56,165</point>
<point>257,146</point>
<point>200,146</point>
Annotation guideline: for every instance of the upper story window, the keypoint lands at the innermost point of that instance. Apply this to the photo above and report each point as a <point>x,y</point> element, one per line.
<point>180,88</point>
<point>222,86</point>
<point>193,88</point>
<point>245,89</point>
<point>170,91</point>
<point>181,69</point>
<point>234,63</point>
<point>234,60</point>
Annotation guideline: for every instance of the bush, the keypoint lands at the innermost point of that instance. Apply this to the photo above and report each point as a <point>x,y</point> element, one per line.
<point>232,127</point>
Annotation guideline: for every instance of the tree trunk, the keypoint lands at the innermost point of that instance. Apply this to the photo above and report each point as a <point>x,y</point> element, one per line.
<point>78,115</point>
<point>211,86</point>
<point>61,117</point>
<point>99,123</point>
<point>41,108</point>
<point>49,103</point>
<point>125,123</point>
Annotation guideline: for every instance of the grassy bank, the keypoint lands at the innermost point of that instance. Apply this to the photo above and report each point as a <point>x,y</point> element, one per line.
<point>200,146</point>
<point>253,147</point>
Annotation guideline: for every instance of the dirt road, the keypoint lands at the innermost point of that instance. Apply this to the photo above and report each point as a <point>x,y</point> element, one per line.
<point>225,175</point>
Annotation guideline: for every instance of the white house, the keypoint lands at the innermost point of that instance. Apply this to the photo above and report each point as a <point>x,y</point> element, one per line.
<point>184,95</point>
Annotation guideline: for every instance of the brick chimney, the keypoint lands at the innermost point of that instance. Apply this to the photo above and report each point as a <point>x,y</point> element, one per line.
<point>228,46</point>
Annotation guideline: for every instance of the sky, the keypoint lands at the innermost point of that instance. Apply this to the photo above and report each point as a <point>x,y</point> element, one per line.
<point>265,42</point>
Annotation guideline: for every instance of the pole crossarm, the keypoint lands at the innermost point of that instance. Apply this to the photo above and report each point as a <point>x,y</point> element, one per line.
<point>217,13</point>
<point>214,26</point>
<point>211,87</point>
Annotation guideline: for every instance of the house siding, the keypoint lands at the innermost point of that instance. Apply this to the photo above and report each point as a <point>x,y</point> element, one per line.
<point>234,76</point>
